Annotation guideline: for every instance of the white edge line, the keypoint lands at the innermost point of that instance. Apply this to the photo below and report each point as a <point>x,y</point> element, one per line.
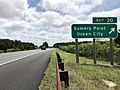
<point>17,59</point>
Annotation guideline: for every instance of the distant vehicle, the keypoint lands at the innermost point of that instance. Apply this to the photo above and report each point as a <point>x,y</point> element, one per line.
<point>43,48</point>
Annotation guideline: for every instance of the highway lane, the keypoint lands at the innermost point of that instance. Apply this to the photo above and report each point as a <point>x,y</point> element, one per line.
<point>26,73</point>
<point>13,56</point>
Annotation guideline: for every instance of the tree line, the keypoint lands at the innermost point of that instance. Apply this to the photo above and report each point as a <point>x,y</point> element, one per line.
<point>7,45</point>
<point>56,45</point>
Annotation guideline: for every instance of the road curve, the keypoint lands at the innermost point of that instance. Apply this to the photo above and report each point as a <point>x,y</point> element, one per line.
<point>26,73</point>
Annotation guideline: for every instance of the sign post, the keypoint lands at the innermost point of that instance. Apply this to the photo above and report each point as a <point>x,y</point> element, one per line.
<point>94,49</point>
<point>111,52</point>
<point>77,53</point>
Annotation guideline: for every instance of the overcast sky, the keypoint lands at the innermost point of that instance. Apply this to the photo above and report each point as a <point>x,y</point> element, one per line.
<point>50,20</point>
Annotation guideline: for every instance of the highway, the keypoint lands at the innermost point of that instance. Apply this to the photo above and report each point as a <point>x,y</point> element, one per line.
<point>23,70</point>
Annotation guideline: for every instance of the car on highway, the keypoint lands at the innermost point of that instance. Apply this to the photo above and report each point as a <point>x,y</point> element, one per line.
<point>43,48</point>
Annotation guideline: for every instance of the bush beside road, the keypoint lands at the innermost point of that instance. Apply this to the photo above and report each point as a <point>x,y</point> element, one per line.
<point>102,51</point>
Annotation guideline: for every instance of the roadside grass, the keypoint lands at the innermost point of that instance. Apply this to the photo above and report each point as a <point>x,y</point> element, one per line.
<point>83,76</point>
<point>49,81</point>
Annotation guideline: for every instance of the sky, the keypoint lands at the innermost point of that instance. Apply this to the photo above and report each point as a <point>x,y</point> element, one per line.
<point>37,21</point>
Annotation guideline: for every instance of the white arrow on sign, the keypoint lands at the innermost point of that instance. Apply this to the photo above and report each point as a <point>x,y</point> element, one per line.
<point>112,30</point>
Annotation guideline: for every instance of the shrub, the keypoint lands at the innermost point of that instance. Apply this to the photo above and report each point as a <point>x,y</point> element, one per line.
<point>86,50</point>
<point>13,50</point>
<point>117,55</point>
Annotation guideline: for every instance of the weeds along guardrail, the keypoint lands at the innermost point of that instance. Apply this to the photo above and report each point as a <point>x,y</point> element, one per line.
<point>62,75</point>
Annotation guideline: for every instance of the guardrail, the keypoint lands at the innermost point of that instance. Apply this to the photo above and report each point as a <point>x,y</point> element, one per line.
<point>59,87</point>
<point>62,75</point>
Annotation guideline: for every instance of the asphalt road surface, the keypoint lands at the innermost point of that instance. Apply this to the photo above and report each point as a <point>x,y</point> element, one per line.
<point>23,70</point>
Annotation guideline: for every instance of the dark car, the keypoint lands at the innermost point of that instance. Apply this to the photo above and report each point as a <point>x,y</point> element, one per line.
<point>43,48</point>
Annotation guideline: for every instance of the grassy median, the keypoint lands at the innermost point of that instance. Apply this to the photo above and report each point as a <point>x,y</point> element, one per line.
<point>86,76</point>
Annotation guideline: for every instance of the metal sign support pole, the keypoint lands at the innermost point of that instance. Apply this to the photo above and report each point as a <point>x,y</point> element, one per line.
<point>111,52</point>
<point>77,54</point>
<point>94,51</point>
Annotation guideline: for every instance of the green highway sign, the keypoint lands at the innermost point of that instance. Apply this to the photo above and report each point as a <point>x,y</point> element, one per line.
<point>94,30</point>
<point>104,19</point>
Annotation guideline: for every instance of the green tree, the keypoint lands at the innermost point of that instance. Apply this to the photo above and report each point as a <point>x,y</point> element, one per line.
<point>45,44</point>
<point>10,45</point>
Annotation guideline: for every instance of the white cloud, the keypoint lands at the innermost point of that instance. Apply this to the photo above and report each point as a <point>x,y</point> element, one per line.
<point>72,7</point>
<point>3,22</point>
<point>42,33</point>
<point>112,13</point>
<point>3,33</point>
<point>12,8</point>
<point>31,14</point>
<point>17,26</point>
<point>97,2</point>
<point>51,18</point>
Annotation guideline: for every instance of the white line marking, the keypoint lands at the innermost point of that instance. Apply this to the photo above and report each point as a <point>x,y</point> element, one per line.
<point>16,59</point>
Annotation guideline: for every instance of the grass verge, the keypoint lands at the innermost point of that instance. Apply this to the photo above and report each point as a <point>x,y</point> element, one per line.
<point>85,76</point>
<point>49,80</point>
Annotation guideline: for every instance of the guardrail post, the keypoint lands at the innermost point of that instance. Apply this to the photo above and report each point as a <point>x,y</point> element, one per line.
<point>59,60</point>
<point>61,66</point>
<point>58,56</point>
<point>64,77</point>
